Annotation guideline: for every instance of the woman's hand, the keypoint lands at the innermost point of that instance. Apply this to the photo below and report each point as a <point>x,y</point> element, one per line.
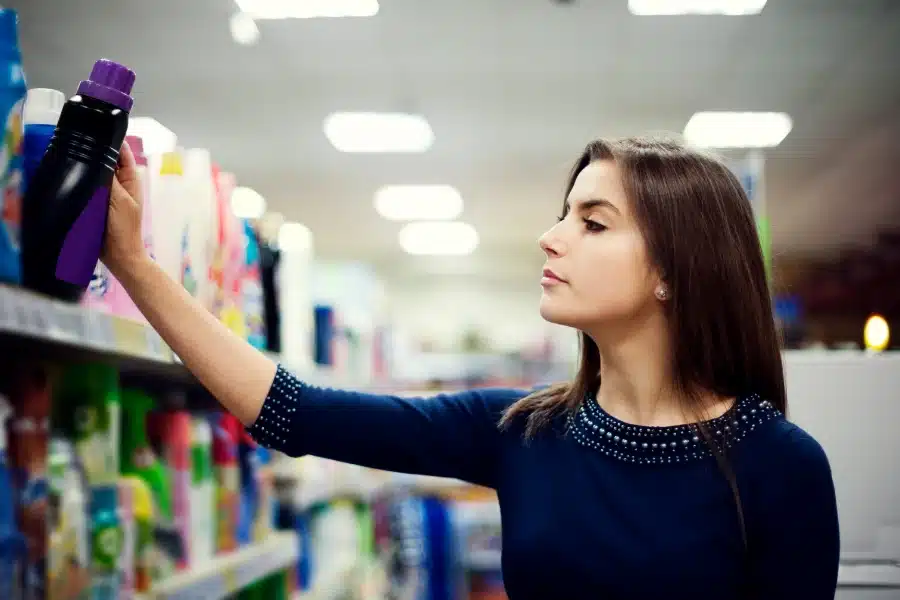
<point>124,243</point>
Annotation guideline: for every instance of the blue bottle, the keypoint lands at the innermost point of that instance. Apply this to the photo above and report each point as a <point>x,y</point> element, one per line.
<point>12,101</point>
<point>42,109</point>
<point>12,542</point>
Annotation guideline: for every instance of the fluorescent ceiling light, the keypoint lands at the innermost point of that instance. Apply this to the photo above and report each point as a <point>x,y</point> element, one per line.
<point>243,29</point>
<point>695,7</point>
<point>156,137</point>
<point>378,132</point>
<point>438,238</point>
<point>247,203</point>
<point>294,237</point>
<point>418,202</point>
<point>308,9</point>
<point>737,129</point>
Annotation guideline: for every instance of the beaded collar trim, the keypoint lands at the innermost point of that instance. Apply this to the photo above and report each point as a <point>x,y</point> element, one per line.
<point>594,428</point>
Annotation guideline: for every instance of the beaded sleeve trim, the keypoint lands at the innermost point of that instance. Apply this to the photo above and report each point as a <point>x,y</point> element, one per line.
<point>594,428</point>
<point>273,427</point>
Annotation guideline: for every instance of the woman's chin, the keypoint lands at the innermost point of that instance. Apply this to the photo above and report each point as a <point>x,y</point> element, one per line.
<point>552,312</point>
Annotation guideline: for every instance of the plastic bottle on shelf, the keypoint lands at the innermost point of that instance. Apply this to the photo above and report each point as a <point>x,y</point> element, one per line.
<point>218,259</point>
<point>30,396</point>
<point>176,427</point>
<point>168,198</point>
<point>106,542</point>
<point>127,563</point>
<point>250,489</point>
<point>252,300</point>
<point>142,552</point>
<point>12,544</point>
<point>153,496</point>
<point>87,402</point>
<point>65,207</point>
<point>226,433</point>
<point>231,231</point>
<point>265,514</point>
<point>203,500</point>
<point>42,109</point>
<point>201,190</point>
<point>68,553</point>
<point>12,100</point>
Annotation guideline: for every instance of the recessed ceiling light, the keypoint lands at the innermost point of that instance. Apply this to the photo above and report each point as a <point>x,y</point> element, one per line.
<point>308,9</point>
<point>247,203</point>
<point>243,29</point>
<point>418,202</point>
<point>438,238</point>
<point>156,137</point>
<point>378,132</point>
<point>737,129</point>
<point>294,237</point>
<point>695,7</point>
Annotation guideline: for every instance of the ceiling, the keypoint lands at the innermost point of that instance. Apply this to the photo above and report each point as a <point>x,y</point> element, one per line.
<point>513,90</point>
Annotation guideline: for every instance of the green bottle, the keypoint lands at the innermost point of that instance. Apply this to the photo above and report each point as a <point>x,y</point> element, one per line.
<point>86,408</point>
<point>137,455</point>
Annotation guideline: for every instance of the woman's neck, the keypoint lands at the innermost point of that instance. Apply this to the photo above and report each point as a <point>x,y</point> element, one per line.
<point>637,382</point>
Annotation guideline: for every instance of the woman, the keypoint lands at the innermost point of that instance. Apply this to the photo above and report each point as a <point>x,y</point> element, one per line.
<point>666,469</point>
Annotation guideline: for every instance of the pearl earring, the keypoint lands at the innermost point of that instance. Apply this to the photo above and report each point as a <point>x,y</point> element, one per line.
<point>661,293</point>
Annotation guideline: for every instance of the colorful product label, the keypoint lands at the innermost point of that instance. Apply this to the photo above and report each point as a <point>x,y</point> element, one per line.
<point>188,278</point>
<point>11,185</point>
<point>252,295</point>
<point>106,545</point>
<point>98,289</point>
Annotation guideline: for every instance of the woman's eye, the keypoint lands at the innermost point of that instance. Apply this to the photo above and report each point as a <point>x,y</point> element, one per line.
<point>593,225</point>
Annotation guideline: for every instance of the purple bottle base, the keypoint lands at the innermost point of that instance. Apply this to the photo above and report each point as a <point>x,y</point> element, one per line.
<point>81,248</point>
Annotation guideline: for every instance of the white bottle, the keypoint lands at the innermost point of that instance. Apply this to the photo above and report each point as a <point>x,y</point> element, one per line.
<point>202,239</point>
<point>203,499</point>
<point>167,189</point>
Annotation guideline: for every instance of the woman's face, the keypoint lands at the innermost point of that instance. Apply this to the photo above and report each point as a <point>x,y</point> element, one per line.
<point>597,272</point>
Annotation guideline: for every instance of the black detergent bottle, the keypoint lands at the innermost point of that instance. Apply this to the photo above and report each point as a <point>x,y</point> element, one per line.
<point>65,205</point>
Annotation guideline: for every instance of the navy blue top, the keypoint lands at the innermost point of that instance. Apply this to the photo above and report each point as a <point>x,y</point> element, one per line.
<point>593,507</point>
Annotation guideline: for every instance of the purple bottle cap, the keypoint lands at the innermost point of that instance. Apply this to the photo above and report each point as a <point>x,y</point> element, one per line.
<point>109,82</point>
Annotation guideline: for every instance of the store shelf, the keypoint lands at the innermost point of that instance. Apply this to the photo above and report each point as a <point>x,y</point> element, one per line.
<point>881,574</point>
<point>343,582</point>
<point>33,324</point>
<point>28,320</point>
<point>227,574</point>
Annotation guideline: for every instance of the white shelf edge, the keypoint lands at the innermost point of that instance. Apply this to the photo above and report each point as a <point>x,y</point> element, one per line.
<point>334,585</point>
<point>228,573</point>
<point>27,314</point>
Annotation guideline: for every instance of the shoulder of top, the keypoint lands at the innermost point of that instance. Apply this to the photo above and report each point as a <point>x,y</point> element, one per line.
<point>790,448</point>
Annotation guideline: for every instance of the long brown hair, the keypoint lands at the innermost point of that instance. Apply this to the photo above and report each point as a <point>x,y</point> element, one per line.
<point>698,226</point>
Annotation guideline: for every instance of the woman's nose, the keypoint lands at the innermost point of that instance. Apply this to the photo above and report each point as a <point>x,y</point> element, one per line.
<point>551,244</point>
